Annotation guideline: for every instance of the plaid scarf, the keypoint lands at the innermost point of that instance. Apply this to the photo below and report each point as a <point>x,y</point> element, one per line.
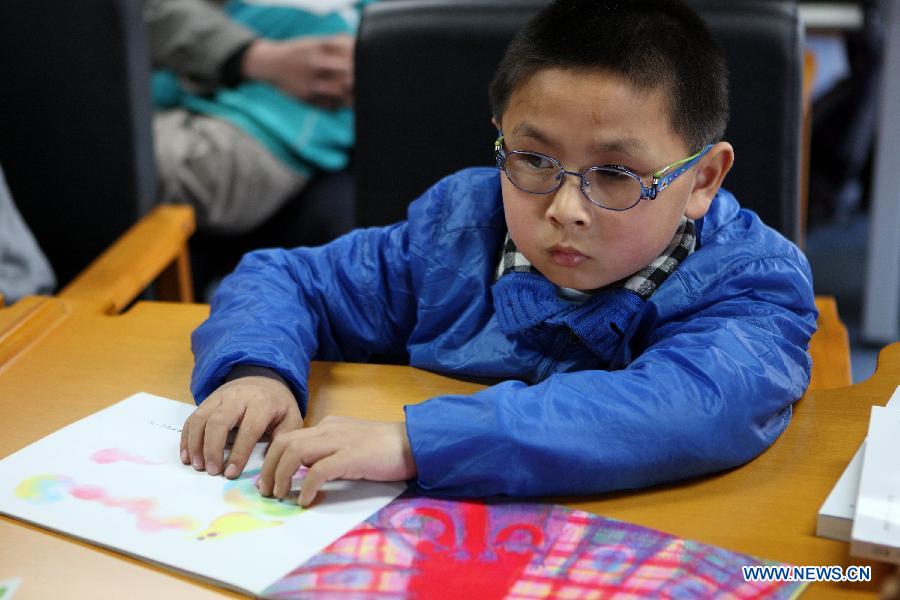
<point>643,283</point>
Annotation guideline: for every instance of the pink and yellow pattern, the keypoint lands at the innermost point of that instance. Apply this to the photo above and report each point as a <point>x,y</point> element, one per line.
<point>243,495</point>
<point>44,489</point>
<point>112,455</point>
<point>252,510</point>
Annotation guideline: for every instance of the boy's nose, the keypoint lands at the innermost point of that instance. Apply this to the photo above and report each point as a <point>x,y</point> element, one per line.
<point>569,206</point>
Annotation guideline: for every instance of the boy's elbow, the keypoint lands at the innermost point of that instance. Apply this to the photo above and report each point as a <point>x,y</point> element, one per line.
<point>713,447</point>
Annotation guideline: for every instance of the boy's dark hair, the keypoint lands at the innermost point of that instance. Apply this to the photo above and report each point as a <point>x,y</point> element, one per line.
<point>653,44</point>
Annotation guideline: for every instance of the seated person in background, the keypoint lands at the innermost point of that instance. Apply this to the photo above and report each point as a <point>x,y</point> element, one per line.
<point>24,269</point>
<point>255,100</point>
<point>647,328</point>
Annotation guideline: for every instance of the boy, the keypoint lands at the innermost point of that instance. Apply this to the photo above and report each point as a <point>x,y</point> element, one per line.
<point>647,328</point>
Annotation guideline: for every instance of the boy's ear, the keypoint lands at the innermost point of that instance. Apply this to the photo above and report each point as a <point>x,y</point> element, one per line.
<point>496,123</point>
<point>711,170</point>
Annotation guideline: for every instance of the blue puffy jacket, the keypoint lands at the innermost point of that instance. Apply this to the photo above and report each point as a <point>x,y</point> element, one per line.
<point>614,393</point>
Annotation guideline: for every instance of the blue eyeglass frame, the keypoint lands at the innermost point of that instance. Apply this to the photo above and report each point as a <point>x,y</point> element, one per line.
<point>660,178</point>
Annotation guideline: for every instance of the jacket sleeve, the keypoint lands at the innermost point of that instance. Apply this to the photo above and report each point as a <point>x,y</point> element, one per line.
<point>193,38</point>
<point>345,301</point>
<point>712,389</point>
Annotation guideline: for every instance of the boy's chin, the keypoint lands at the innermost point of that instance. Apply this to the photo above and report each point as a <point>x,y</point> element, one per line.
<point>577,281</point>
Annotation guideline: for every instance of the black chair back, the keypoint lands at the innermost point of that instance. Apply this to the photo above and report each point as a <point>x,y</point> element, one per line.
<point>422,73</point>
<point>75,122</point>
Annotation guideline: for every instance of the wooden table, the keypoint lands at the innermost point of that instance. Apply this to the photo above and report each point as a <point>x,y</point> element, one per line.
<point>63,359</point>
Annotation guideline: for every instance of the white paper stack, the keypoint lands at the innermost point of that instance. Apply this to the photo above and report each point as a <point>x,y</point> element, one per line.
<point>876,525</point>
<point>835,519</point>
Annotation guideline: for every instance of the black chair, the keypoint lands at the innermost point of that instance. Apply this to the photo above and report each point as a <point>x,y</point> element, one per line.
<point>422,73</point>
<point>75,137</point>
<point>321,212</point>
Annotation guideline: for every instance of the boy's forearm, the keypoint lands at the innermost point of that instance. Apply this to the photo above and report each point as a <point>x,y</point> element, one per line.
<point>238,330</point>
<point>482,450</point>
<point>682,409</point>
<point>343,301</point>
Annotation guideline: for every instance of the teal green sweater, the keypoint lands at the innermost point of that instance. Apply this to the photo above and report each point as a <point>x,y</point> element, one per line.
<point>303,136</point>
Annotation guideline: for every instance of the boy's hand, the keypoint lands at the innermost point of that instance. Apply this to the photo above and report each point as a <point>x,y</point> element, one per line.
<point>259,404</point>
<point>337,448</point>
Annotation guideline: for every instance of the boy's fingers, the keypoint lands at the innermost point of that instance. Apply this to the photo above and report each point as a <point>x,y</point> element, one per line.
<point>253,426</point>
<point>328,469</point>
<point>299,439</point>
<point>288,463</point>
<point>185,453</point>
<point>196,428</point>
<point>215,434</point>
<point>291,422</point>
<point>306,450</point>
<point>267,476</point>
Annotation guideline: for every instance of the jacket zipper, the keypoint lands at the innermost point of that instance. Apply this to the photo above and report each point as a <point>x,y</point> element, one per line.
<point>561,341</point>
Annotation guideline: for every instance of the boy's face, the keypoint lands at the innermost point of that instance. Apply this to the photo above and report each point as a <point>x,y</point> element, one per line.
<point>583,119</point>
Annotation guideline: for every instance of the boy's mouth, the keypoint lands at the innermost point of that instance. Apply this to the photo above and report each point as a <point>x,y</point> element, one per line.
<point>566,256</point>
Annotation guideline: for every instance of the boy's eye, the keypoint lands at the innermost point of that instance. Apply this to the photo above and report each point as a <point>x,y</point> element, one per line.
<point>609,174</point>
<point>533,161</point>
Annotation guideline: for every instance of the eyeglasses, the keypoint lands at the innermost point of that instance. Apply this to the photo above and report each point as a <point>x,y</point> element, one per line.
<point>613,187</point>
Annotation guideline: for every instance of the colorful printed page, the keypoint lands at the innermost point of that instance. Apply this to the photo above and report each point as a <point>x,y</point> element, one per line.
<point>425,548</point>
<point>115,479</point>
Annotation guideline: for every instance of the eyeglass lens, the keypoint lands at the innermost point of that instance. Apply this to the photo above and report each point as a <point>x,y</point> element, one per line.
<point>607,187</point>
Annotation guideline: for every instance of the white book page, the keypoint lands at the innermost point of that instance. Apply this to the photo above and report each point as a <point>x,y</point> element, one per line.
<point>114,478</point>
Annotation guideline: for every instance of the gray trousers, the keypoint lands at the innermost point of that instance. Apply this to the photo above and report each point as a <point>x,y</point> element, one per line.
<point>24,269</point>
<point>233,182</point>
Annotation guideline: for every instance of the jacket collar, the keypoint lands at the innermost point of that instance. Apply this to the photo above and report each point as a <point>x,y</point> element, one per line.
<point>523,301</point>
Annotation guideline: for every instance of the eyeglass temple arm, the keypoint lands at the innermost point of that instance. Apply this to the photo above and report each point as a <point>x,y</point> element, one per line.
<point>499,153</point>
<point>661,179</point>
